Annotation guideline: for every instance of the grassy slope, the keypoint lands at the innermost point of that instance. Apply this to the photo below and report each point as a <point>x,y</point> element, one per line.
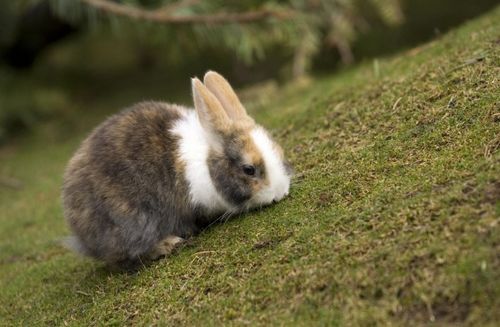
<point>393,216</point>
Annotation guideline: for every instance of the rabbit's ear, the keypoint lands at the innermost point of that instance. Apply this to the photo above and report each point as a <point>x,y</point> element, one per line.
<point>212,116</point>
<point>223,91</point>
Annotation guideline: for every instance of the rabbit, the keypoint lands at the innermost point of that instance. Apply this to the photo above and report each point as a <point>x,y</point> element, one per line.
<point>153,175</point>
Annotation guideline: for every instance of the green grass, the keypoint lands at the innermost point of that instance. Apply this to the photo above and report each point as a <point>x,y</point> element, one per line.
<point>393,217</point>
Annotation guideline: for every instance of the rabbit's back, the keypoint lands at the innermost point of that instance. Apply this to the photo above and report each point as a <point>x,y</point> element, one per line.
<point>123,189</point>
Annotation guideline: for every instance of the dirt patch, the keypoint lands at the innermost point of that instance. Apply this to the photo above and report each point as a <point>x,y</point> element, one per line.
<point>441,310</point>
<point>492,192</point>
<point>270,243</point>
<point>325,199</point>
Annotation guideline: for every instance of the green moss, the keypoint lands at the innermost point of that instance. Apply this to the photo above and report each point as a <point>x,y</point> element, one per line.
<point>393,218</point>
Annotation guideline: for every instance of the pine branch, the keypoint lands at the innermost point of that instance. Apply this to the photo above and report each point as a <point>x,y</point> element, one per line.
<point>164,17</point>
<point>172,7</point>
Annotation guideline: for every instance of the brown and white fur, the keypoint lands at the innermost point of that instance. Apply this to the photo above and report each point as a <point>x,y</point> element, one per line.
<point>154,174</point>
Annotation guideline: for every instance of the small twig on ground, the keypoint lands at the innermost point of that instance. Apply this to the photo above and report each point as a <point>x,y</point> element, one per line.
<point>204,252</point>
<point>82,293</point>
<point>396,103</point>
<point>451,103</point>
<point>469,62</point>
<point>491,147</point>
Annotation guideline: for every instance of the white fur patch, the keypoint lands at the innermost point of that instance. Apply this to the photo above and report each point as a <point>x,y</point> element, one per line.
<point>279,180</point>
<point>194,148</point>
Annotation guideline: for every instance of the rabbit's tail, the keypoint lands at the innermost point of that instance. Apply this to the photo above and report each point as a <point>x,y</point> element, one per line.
<point>74,244</point>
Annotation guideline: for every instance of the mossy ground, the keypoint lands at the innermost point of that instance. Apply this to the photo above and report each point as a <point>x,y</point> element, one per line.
<point>393,217</point>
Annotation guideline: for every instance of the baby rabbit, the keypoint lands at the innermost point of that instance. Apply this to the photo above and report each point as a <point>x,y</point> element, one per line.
<point>154,174</point>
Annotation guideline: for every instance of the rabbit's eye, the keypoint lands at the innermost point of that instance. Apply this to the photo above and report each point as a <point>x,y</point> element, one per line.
<point>249,170</point>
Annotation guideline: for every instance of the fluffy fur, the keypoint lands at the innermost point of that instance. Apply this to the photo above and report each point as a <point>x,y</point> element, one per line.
<point>154,174</point>
<point>279,176</point>
<point>194,148</point>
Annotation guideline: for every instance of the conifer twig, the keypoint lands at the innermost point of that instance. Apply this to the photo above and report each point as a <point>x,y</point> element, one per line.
<point>165,17</point>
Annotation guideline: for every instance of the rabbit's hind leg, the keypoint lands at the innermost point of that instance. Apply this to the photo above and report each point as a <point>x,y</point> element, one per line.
<point>165,247</point>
